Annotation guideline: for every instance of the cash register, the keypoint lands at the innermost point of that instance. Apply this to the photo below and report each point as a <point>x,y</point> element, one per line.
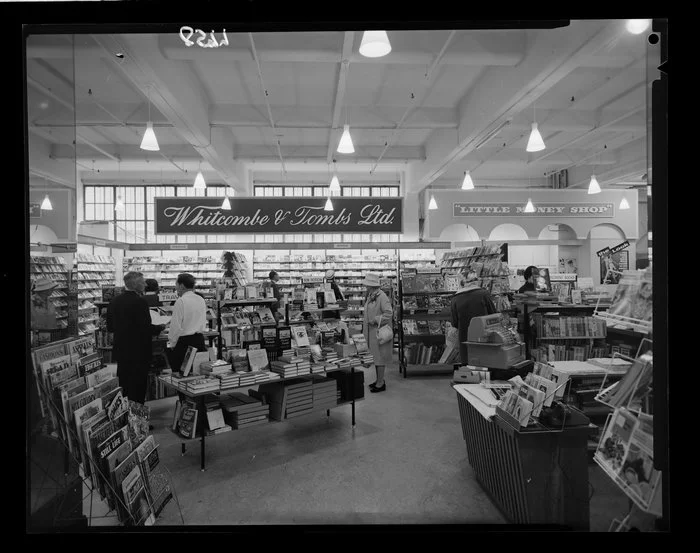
<point>493,345</point>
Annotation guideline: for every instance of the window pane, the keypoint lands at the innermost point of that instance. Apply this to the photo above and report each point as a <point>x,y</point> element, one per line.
<point>139,194</point>
<point>150,210</point>
<point>90,212</point>
<point>139,211</point>
<point>89,194</point>
<point>130,211</point>
<point>99,212</point>
<point>258,191</point>
<point>394,192</point>
<point>307,191</point>
<point>109,195</point>
<point>121,237</point>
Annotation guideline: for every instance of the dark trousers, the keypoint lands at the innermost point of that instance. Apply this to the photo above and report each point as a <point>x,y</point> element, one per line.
<point>463,353</point>
<point>177,354</point>
<point>133,378</point>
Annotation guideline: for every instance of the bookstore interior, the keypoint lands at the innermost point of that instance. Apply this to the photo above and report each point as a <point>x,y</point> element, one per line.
<point>490,188</point>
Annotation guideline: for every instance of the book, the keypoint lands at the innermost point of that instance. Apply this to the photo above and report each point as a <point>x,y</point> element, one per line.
<point>188,361</point>
<point>257,358</point>
<point>269,336</point>
<point>215,419</point>
<point>187,425</point>
<point>89,363</point>
<point>100,376</point>
<point>638,473</point>
<point>54,365</point>
<point>615,442</point>
<point>120,474</point>
<point>300,336</point>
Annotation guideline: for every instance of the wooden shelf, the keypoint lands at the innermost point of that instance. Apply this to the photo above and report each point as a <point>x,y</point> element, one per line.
<point>570,337</point>
<point>436,366</point>
<point>435,293</point>
<point>422,337</point>
<point>444,316</point>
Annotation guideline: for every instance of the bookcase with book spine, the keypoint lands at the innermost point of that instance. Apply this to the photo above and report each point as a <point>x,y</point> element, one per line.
<point>53,268</point>
<point>206,270</point>
<point>91,272</point>
<point>424,312</point>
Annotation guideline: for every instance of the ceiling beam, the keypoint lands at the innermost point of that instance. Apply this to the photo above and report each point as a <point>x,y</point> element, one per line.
<point>501,94</point>
<point>177,94</point>
<point>340,88</point>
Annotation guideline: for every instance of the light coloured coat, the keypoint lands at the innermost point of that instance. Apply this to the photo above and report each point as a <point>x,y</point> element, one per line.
<point>378,313</point>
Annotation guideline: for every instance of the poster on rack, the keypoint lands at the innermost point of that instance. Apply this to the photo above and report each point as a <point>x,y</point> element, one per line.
<point>278,215</point>
<point>611,267</point>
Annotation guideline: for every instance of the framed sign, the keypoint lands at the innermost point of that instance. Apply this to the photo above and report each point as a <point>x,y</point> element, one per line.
<point>34,210</point>
<point>278,215</point>
<point>619,261</point>
<point>487,209</point>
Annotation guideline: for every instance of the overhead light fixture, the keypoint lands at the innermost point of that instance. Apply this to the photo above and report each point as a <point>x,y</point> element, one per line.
<point>345,145</point>
<point>593,187</point>
<point>467,183</point>
<point>329,205</point>
<point>375,44</point>
<point>199,182</point>
<point>335,184</point>
<point>119,206</point>
<point>535,142</point>
<point>149,141</point>
<point>433,204</point>
<point>637,26</point>
<point>529,207</point>
<point>46,204</point>
<point>226,204</point>
<point>624,204</point>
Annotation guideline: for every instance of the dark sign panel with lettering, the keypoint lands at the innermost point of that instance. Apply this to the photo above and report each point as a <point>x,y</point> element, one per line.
<point>295,215</point>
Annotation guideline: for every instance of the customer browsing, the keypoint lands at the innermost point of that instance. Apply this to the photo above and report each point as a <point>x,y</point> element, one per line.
<point>377,313</point>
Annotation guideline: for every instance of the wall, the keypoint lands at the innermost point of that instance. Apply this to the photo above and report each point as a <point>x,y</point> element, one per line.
<point>61,220</point>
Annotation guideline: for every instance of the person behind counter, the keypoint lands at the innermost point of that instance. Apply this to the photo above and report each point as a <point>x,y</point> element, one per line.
<point>530,275</point>
<point>188,321</point>
<point>274,279</point>
<point>43,311</point>
<point>150,293</point>
<point>470,301</point>
<point>330,278</point>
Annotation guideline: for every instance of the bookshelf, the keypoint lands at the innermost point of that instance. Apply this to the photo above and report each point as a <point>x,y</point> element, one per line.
<point>91,272</point>
<point>54,268</point>
<point>424,313</point>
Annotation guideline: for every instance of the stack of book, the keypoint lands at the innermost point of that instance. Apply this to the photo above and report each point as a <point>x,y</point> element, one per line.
<point>203,384</point>
<point>260,376</point>
<point>317,368</point>
<point>214,367</point>
<point>288,399</point>
<point>284,368</point>
<point>239,360</point>
<point>302,351</point>
<point>228,380</point>
<point>242,411</point>
<point>272,375</point>
<point>330,354</point>
<point>304,367</point>
<point>287,353</point>
<point>343,363</point>
<point>366,359</point>
<point>345,350</point>
<point>325,392</point>
<point>247,378</point>
<point>355,362</point>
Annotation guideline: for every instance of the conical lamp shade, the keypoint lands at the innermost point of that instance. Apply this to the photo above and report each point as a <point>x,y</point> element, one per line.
<point>535,142</point>
<point>467,183</point>
<point>119,206</point>
<point>46,204</point>
<point>529,208</point>
<point>375,44</point>
<point>199,181</point>
<point>345,145</point>
<point>433,203</point>
<point>637,26</point>
<point>624,204</point>
<point>335,184</point>
<point>329,205</point>
<point>593,187</point>
<point>149,141</point>
<point>226,204</point>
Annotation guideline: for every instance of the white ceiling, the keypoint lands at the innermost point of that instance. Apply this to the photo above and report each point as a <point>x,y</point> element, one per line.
<point>584,84</point>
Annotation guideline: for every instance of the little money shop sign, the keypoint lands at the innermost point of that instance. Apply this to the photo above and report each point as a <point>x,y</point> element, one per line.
<point>541,210</point>
<point>288,215</point>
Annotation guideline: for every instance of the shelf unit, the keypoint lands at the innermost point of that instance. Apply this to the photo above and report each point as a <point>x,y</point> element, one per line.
<point>54,268</point>
<point>91,272</point>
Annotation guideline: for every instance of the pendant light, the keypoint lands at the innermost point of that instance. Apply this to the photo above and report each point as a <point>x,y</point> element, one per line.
<point>467,183</point>
<point>624,204</point>
<point>329,204</point>
<point>46,204</point>
<point>149,141</point>
<point>375,44</point>
<point>637,26</point>
<point>529,207</point>
<point>199,183</point>
<point>226,204</point>
<point>535,142</point>
<point>593,187</point>
<point>345,145</point>
<point>432,204</point>
<point>335,184</point>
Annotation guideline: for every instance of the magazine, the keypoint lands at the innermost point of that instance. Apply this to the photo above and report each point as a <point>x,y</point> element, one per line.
<point>615,442</point>
<point>301,338</point>
<point>638,472</point>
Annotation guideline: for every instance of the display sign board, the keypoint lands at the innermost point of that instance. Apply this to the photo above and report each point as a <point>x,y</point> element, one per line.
<point>275,215</point>
<point>620,247</point>
<point>34,210</point>
<point>602,253</point>
<point>167,296</point>
<point>562,277</point>
<point>483,209</point>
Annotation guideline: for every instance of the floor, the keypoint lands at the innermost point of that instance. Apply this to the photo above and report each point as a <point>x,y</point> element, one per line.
<point>405,462</point>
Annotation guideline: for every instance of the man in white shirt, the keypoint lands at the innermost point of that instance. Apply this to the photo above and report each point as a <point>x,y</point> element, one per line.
<point>188,321</point>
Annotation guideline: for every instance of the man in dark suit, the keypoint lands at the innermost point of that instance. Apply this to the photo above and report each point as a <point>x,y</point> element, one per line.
<point>129,319</point>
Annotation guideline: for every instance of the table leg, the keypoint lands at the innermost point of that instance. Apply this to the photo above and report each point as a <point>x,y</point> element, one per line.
<point>352,391</point>
<point>184,448</point>
<point>328,413</point>
<point>202,451</point>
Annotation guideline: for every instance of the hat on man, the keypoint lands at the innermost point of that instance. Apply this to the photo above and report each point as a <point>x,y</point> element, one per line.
<point>44,284</point>
<point>371,280</point>
<point>330,273</point>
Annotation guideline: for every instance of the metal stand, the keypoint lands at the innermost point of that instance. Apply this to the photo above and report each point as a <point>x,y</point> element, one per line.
<point>352,388</point>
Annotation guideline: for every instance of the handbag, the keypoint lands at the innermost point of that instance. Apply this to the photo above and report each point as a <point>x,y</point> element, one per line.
<point>384,334</point>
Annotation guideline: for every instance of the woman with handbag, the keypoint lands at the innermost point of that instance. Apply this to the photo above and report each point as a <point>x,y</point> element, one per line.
<point>377,325</point>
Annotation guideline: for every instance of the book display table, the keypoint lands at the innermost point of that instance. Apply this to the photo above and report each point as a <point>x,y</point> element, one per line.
<point>534,476</point>
<point>199,398</point>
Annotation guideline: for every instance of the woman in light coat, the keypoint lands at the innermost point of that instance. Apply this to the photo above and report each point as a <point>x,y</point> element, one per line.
<point>378,313</point>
